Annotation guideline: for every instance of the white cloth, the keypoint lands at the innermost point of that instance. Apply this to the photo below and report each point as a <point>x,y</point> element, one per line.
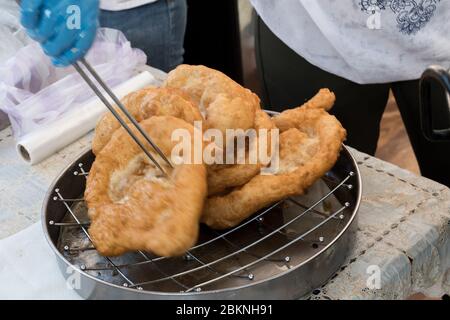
<point>362,40</point>
<point>29,270</point>
<point>119,5</point>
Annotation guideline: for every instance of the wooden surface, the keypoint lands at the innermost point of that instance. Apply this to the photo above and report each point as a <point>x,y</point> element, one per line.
<point>394,145</point>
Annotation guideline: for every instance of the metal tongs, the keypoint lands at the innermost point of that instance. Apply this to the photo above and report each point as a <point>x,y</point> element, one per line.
<point>83,74</point>
<point>77,66</point>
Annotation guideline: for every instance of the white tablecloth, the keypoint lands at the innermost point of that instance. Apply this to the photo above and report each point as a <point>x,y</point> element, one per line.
<point>28,268</point>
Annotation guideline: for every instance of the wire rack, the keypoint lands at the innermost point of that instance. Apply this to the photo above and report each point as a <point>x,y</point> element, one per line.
<point>268,244</point>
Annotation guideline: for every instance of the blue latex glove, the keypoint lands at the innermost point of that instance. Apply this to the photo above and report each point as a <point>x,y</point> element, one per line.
<point>65,29</point>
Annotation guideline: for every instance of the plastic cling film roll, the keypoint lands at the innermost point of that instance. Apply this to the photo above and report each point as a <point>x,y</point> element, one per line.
<point>39,145</point>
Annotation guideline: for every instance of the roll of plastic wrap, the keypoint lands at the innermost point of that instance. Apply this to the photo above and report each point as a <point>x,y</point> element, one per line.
<point>38,145</point>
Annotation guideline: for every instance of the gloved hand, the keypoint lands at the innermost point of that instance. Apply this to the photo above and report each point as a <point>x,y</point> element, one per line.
<point>65,29</point>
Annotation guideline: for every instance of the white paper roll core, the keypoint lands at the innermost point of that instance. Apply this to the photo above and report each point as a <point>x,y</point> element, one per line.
<point>38,145</point>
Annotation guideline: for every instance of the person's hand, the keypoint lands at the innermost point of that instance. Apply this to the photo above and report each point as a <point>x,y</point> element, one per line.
<point>65,29</point>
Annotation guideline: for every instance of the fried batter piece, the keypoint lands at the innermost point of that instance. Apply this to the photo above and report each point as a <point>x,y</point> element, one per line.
<point>133,206</point>
<point>224,177</point>
<point>310,144</point>
<point>143,104</point>
<point>323,100</point>
<point>225,105</point>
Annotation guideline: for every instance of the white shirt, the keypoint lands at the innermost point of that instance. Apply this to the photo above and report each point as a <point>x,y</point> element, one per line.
<point>391,40</point>
<point>119,5</point>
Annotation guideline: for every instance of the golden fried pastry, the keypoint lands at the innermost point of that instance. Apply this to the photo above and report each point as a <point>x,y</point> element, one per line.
<point>310,144</point>
<point>133,206</point>
<point>323,100</point>
<point>224,103</point>
<point>223,177</point>
<point>144,104</point>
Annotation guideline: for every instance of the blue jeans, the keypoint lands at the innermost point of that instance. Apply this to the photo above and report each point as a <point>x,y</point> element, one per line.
<point>157,28</point>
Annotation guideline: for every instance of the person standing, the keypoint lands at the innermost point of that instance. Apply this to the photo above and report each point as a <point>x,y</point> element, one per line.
<point>155,26</point>
<point>360,49</point>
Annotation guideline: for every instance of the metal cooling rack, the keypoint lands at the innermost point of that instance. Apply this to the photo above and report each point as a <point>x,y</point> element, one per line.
<point>262,247</point>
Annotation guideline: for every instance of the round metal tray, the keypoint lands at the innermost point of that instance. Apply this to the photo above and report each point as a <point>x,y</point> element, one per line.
<point>283,252</point>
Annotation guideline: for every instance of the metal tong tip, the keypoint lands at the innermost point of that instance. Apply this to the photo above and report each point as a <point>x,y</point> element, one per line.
<point>122,108</point>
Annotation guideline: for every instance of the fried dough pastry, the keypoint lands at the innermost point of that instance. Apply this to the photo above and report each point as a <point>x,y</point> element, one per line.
<point>143,104</point>
<point>223,177</point>
<point>133,206</point>
<point>323,100</point>
<point>224,103</point>
<point>310,144</point>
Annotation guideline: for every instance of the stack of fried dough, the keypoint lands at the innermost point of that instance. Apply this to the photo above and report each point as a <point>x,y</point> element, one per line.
<point>134,206</point>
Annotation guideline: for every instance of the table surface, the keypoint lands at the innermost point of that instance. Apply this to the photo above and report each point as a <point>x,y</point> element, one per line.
<point>403,223</point>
